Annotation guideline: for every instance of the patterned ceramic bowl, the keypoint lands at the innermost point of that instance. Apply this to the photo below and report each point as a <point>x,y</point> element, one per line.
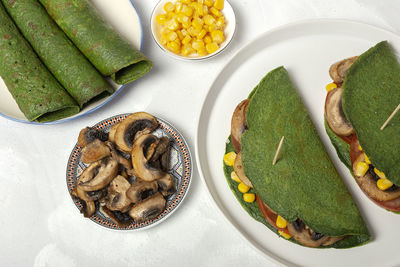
<point>180,167</point>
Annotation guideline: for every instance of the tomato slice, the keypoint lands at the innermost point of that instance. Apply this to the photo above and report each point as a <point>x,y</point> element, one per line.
<point>269,215</point>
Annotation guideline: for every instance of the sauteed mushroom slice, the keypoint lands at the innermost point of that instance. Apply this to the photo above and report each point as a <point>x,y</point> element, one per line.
<point>141,190</point>
<point>117,197</point>
<point>166,185</point>
<point>149,208</point>
<point>111,134</point>
<point>334,114</point>
<point>143,169</point>
<point>339,69</point>
<point>100,175</point>
<point>238,123</point>
<point>95,151</point>
<point>239,170</point>
<point>308,237</point>
<point>160,157</point>
<point>89,134</point>
<point>132,127</point>
<point>368,184</point>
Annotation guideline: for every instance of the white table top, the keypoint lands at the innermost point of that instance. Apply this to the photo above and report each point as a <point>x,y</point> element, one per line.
<point>41,226</point>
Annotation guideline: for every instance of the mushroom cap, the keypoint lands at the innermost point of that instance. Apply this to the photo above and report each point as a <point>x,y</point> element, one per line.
<point>339,69</point>
<point>95,151</point>
<point>89,134</point>
<point>158,155</point>
<point>166,185</point>
<point>238,123</point>
<point>334,114</point>
<point>117,198</point>
<point>149,208</point>
<point>99,175</point>
<point>140,190</point>
<point>111,134</point>
<point>132,127</point>
<point>143,169</point>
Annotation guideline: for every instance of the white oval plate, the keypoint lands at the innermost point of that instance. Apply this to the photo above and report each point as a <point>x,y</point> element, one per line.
<point>229,31</point>
<point>180,168</point>
<point>306,49</point>
<point>122,15</point>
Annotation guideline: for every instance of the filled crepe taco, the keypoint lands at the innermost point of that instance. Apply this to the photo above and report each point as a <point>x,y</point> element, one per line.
<point>364,92</point>
<point>301,197</point>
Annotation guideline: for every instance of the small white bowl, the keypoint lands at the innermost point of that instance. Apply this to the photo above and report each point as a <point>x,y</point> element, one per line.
<point>229,31</point>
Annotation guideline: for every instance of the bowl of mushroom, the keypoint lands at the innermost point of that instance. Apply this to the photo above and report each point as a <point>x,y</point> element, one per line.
<point>129,171</point>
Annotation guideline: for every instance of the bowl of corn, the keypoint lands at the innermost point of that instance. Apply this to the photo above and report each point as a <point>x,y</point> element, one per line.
<point>193,29</point>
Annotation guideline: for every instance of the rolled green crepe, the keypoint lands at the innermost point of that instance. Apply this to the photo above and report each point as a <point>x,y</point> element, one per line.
<point>70,67</point>
<point>303,184</point>
<point>99,42</point>
<point>37,93</point>
<point>371,92</point>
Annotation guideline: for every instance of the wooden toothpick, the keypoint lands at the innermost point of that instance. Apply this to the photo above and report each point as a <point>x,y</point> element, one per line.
<point>278,150</point>
<point>390,117</point>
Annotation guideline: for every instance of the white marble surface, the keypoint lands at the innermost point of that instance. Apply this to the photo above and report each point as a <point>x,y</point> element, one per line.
<point>40,226</point>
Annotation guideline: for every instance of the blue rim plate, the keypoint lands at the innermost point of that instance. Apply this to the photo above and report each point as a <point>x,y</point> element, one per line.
<point>180,167</point>
<point>129,25</point>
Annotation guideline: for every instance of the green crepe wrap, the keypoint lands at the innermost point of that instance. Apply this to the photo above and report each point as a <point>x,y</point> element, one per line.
<point>304,183</point>
<point>70,67</point>
<point>98,41</point>
<point>37,93</point>
<point>371,91</point>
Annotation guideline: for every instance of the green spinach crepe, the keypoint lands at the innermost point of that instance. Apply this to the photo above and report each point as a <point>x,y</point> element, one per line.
<point>366,94</point>
<point>37,93</point>
<point>70,67</point>
<point>106,49</point>
<point>303,188</point>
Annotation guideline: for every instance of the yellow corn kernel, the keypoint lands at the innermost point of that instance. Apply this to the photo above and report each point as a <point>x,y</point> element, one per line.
<point>209,3</point>
<point>212,28</point>
<point>180,35</point>
<point>207,39</point>
<point>285,235</point>
<point>198,44</point>
<point>205,10</point>
<point>366,159</point>
<point>161,19</point>
<point>361,168</point>
<point>199,9</point>
<point>201,2</point>
<point>330,86</point>
<point>197,23</point>
<point>187,50</point>
<point>172,36</point>
<point>201,34</point>
<point>186,25</point>
<point>202,51</point>
<point>218,36</point>
<point>169,7</point>
<point>163,39</point>
<point>235,177</point>
<point>209,20</point>
<point>281,222</point>
<point>219,4</point>
<point>229,158</point>
<point>212,47</point>
<point>172,25</point>
<point>171,15</point>
<point>178,7</point>
<point>220,22</point>
<point>186,40</point>
<point>187,10</point>
<point>174,47</point>
<point>186,1</point>
<point>379,173</point>
<point>181,18</point>
<point>165,31</point>
<point>249,197</point>
<point>184,32</point>
<point>215,12</point>
<point>243,188</point>
<point>359,147</point>
<point>384,184</point>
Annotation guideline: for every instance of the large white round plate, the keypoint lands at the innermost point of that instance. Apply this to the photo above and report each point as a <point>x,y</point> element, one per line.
<point>306,49</point>
<point>122,15</point>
